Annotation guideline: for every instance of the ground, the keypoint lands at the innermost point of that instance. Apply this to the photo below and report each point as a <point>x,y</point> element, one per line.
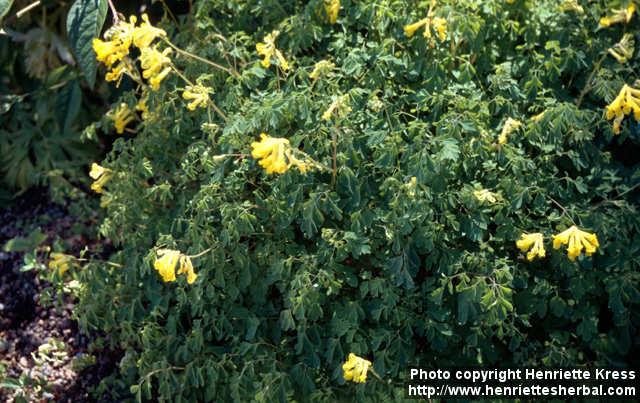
<point>28,322</point>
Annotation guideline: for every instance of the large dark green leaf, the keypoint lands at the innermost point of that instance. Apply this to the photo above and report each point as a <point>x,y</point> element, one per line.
<point>84,23</point>
<point>5,6</point>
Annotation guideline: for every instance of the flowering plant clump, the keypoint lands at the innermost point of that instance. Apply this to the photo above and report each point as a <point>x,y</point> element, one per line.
<point>374,192</point>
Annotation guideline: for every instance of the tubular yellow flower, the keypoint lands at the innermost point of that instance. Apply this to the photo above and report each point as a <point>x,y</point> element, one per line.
<point>109,52</point>
<point>533,243</point>
<point>623,50</point>
<point>186,267</point>
<point>440,26</point>
<point>116,73</point>
<point>275,155</point>
<point>142,107</point>
<point>571,5</point>
<point>121,117</point>
<point>509,126</point>
<point>146,33</point>
<point>484,195</point>
<point>576,240</point>
<point>166,264</point>
<point>100,175</point>
<point>355,369</point>
<point>116,47</point>
<point>339,108</point>
<point>60,262</point>
<point>618,16</point>
<point>322,68</point>
<point>267,50</point>
<point>332,8</point>
<point>271,153</point>
<point>199,95</point>
<point>627,101</point>
<point>410,30</point>
<point>155,65</point>
<point>538,117</point>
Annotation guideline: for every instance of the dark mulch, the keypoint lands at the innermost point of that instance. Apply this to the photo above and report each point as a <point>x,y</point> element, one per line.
<point>26,323</point>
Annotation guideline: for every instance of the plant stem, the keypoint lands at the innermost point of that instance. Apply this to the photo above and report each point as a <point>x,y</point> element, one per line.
<point>202,59</point>
<point>334,156</point>
<point>116,19</point>
<point>587,86</point>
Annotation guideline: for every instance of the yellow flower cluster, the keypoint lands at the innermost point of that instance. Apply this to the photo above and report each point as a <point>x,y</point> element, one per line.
<point>321,69</point>
<point>267,49</point>
<point>628,100</point>
<point>623,50</point>
<point>618,16</point>
<point>339,108</point>
<point>355,369</point>
<point>332,8</point>
<point>100,175</point>
<point>61,262</point>
<point>509,126</point>
<point>576,240</point>
<point>275,155</point>
<point>484,195</point>
<point>166,264</point>
<point>533,243</point>
<point>114,50</point>
<point>155,65</point>
<point>121,117</point>
<point>198,94</point>
<point>438,24</point>
<point>571,5</point>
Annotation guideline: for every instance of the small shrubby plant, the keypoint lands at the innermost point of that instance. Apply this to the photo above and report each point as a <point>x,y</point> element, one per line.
<point>353,188</point>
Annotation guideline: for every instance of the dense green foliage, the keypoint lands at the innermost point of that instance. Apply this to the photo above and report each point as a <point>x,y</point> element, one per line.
<point>44,105</point>
<point>397,261</point>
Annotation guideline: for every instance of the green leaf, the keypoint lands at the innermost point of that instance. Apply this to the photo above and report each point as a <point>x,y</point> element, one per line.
<point>20,244</point>
<point>5,6</point>
<point>84,23</point>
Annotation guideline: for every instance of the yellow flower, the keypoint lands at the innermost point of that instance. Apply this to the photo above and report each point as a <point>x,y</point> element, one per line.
<point>576,240</point>
<point>355,369</point>
<point>539,116</point>
<point>166,264</point>
<point>533,243</point>
<point>186,267</point>
<point>142,107</point>
<point>332,8</point>
<point>623,50</point>
<point>121,117</point>
<point>627,101</point>
<point>571,5</point>
<point>116,47</point>
<point>339,107</point>
<point>440,26</point>
<point>410,30</point>
<point>509,126</point>
<point>276,155</point>
<point>61,262</point>
<point>100,175</point>
<point>322,68</point>
<point>146,33</point>
<point>267,49</point>
<point>155,65</point>
<point>116,73</point>
<point>484,195</point>
<point>199,95</point>
<point>109,52</point>
<point>271,153</point>
<point>619,15</point>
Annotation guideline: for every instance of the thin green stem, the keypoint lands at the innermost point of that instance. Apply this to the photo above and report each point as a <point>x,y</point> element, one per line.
<point>587,85</point>
<point>202,59</point>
